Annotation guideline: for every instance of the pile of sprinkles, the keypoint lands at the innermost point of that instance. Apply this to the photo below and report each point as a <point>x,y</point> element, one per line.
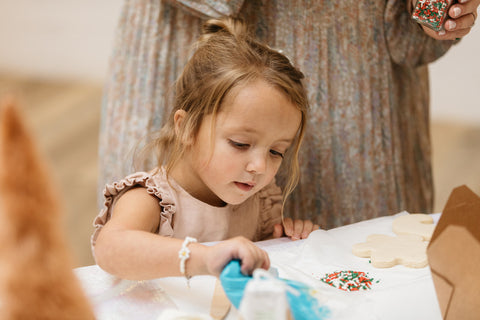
<point>431,13</point>
<point>348,280</point>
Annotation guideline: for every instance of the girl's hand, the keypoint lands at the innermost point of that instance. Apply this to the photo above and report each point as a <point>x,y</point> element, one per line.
<point>298,229</point>
<point>460,20</point>
<point>239,248</point>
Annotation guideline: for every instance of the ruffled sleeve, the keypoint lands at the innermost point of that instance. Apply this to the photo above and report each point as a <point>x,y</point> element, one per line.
<point>271,198</point>
<point>155,186</point>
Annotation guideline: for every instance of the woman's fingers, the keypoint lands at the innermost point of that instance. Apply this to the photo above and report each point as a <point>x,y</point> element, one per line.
<point>465,9</point>
<point>461,19</point>
<point>463,22</point>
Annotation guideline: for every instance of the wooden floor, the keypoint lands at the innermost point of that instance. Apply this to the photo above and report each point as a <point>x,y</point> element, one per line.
<point>65,119</point>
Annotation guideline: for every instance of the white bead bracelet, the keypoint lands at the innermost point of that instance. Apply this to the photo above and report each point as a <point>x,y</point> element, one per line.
<point>184,254</point>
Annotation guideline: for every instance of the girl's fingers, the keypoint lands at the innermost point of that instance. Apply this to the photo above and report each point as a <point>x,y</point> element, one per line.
<point>255,259</point>
<point>252,257</point>
<point>240,248</point>
<point>307,228</point>
<point>277,231</point>
<point>297,229</point>
<point>288,227</point>
<point>266,261</point>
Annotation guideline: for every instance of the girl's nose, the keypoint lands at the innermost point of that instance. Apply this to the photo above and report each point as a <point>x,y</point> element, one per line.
<point>257,163</point>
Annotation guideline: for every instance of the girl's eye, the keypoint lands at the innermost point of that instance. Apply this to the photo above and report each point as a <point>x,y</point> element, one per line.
<point>277,154</point>
<point>238,145</point>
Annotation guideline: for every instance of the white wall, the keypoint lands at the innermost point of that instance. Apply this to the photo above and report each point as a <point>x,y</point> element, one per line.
<point>455,82</point>
<point>72,40</point>
<point>60,39</point>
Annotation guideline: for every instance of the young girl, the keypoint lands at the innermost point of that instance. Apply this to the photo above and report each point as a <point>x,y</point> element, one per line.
<point>239,112</point>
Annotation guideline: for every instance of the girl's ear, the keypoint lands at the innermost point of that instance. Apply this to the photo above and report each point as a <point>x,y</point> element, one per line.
<point>178,119</point>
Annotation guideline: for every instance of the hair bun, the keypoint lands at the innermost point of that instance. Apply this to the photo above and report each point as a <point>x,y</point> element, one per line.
<point>234,26</point>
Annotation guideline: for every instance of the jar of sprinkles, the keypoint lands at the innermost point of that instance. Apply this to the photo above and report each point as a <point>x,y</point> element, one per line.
<point>431,13</point>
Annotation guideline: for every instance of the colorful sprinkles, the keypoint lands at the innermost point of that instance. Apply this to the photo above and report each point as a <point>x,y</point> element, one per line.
<point>349,280</point>
<point>431,13</point>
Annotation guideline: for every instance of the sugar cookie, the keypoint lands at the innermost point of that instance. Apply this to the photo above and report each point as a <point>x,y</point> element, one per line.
<point>387,251</point>
<point>415,223</point>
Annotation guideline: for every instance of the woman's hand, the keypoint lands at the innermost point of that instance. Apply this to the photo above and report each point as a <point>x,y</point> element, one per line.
<point>239,248</point>
<point>295,230</point>
<point>460,20</point>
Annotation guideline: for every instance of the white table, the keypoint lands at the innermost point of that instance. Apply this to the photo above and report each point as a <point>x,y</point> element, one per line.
<point>401,293</point>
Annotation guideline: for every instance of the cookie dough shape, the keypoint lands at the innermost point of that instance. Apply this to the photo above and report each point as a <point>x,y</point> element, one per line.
<point>386,251</point>
<point>415,223</point>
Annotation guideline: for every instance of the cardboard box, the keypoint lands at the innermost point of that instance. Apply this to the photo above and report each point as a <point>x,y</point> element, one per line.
<point>454,256</point>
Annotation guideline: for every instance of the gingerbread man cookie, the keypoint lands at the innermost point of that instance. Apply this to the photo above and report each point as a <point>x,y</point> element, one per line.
<point>415,223</point>
<point>387,251</point>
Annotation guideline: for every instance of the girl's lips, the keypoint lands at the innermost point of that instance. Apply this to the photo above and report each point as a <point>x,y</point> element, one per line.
<point>244,186</point>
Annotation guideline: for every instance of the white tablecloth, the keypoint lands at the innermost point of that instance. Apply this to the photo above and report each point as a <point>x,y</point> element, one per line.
<point>401,292</point>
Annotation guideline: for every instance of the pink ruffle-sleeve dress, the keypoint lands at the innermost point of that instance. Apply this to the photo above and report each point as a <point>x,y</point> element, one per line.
<point>183,215</point>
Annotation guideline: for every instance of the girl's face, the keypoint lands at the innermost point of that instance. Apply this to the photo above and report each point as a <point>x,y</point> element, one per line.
<point>252,132</point>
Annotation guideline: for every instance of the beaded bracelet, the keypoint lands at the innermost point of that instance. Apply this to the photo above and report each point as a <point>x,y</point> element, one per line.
<point>184,254</point>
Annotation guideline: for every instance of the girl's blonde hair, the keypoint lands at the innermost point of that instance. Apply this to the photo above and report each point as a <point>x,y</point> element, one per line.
<point>226,56</point>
